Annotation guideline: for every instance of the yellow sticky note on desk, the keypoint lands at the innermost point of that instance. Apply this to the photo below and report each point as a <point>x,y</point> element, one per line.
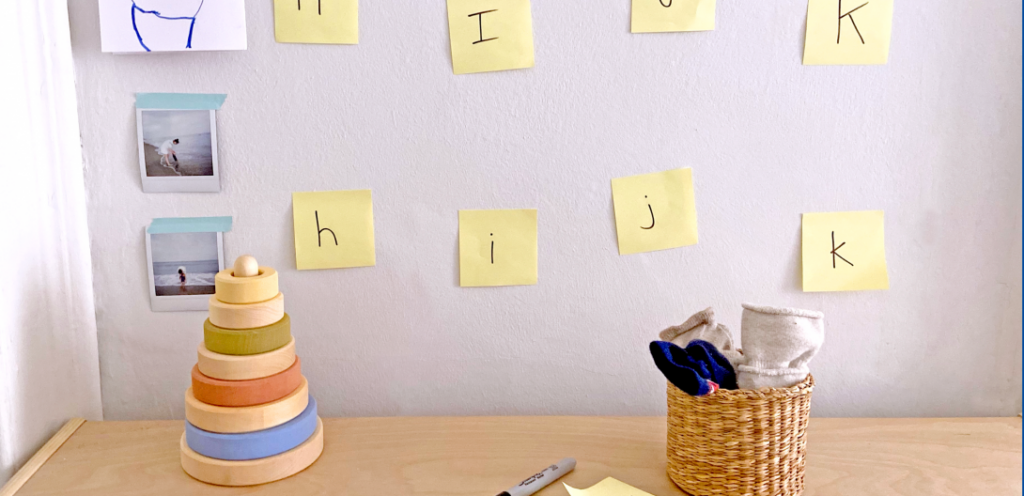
<point>655,211</point>
<point>317,21</point>
<point>844,251</point>
<point>333,229</point>
<point>497,247</point>
<point>659,16</point>
<point>848,32</point>
<point>490,35</point>
<point>608,487</point>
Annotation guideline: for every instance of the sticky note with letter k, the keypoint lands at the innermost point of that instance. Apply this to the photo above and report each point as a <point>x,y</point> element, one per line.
<point>654,211</point>
<point>844,251</point>
<point>333,229</point>
<point>490,35</point>
<point>848,32</point>
<point>317,21</point>
<point>497,247</point>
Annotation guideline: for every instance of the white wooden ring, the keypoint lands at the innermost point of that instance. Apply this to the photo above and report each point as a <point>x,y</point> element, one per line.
<point>248,315</point>
<point>252,289</point>
<point>227,419</point>
<point>245,367</point>
<point>252,472</point>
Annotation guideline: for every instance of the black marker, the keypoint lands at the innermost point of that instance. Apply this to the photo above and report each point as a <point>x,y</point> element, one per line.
<point>541,479</point>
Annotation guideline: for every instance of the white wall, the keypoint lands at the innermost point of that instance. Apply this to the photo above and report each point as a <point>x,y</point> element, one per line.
<point>49,364</point>
<point>933,138</point>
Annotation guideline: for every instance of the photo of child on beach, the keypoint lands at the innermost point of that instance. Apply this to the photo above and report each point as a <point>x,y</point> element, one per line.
<point>178,150</point>
<point>184,264</point>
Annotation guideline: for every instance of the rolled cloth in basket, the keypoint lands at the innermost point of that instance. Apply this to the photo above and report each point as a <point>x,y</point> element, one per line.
<point>702,326</point>
<point>778,343</point>
<point>697,369</point>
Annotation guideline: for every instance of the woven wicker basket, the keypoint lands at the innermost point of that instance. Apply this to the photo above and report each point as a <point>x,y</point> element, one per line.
<point>739,442</point>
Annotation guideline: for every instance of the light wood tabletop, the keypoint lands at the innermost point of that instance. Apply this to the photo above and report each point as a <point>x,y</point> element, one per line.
<point>482,456</point>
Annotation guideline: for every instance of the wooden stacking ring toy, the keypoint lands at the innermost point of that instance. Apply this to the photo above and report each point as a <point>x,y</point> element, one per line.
<point>252,445</point>
<point>245,367</point>
<point>252,472</point>
<point>226,419</point>
<point>246,393</point>
<point>247,316</point>
<point>247,341</point>
<point>240,289</point>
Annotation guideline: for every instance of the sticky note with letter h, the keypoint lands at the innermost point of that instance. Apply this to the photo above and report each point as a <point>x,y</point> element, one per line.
<point>317,21</point>
<point>333,229</point>
<point>850,32</point>
<point>497,247</point>
<point>490,35</point>
<point>659,16</point>
<point>655,211</point>
<point>844,251</point>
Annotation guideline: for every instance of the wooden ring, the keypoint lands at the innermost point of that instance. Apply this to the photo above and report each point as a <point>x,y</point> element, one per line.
<point>253,445</point>
<point>227,420</point>
<point>247,316</point>
<point>247,341</point>
<point>240,290</point>
<point>245,367</point>
<point>252,472</point>
<point>246,393</point>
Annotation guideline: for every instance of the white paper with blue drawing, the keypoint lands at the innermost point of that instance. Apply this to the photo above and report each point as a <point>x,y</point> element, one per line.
<point>172,25</point>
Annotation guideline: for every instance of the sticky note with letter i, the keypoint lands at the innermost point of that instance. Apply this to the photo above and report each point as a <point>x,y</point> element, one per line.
<point>659,16</point>
<point>490,35</point>
<point>607,487</point>
<point>844,251</point>
<point>848,32</point>
<point>497,247</point>
<point>333,229</point>
<point>317,21</point>
<point>655,211</point>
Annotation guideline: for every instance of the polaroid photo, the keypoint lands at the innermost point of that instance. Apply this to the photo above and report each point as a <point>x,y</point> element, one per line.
<point>178,150</point>
<point>182,268</point>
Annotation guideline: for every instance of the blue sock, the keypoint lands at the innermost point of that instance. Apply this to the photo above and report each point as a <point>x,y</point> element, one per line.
<point>680,369</point>
<point>721,370</point>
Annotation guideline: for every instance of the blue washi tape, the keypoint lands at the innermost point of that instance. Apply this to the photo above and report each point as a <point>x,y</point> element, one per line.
<point>167,225</point>
<point>253,445</point>
<point>179,101</point>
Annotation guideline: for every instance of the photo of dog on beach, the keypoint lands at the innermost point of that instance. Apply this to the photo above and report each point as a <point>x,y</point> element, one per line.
<point>183,266</point>
<point>178,150</point>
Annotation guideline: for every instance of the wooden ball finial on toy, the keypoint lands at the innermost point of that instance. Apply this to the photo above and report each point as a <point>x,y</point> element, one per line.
<point>246,266</point>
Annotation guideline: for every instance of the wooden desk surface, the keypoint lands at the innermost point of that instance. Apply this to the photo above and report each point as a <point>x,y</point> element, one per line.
<point>481,456</point>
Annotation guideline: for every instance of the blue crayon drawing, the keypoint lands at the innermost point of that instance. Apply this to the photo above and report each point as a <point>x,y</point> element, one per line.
<point>139,10</point>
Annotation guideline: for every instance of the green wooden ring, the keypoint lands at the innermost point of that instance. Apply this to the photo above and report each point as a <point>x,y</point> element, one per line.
<point>247,341</point>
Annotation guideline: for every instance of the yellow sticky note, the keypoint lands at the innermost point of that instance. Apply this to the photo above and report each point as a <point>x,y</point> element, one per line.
<point>844,251</point>
<point>497,247</point>
<point>850,32</point>
<point>333,229</point>
<point>655,211</point>
<point>608,487</point>
<point>659,16</point>
<point>490,35</point>
<point>317,21</point>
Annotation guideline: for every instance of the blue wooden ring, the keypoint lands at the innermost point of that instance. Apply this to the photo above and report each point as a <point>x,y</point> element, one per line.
<point>253,445</point>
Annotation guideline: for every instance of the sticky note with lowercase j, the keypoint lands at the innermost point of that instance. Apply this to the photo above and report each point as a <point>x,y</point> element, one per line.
<point>654,211</point>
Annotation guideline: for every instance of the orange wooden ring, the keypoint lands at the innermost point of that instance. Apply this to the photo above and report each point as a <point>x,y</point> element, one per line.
<point>246,393</point>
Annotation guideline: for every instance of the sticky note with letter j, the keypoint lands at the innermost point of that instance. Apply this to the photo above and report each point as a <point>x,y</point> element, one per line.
<point>655,211</point>
<point>848,32</point>
<point>317,21</point>
<point>607,487</point>
<point>490,35</point>
<point>497,247</point>
<point>844,251</point>
<point>333,229</point>
<point>659,16</point>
